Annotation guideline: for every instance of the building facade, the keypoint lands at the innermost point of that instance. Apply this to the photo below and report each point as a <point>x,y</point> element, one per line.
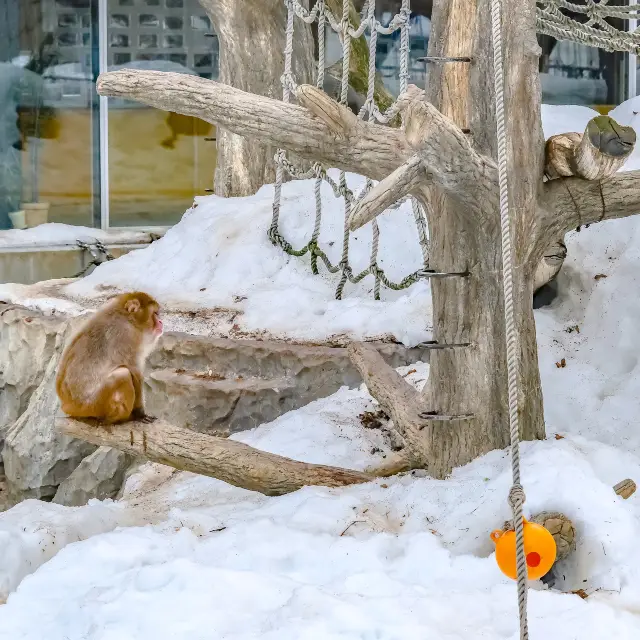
<point>103,162</point>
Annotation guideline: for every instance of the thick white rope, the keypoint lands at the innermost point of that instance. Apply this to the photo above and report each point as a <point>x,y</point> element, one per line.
<point>516,495</point>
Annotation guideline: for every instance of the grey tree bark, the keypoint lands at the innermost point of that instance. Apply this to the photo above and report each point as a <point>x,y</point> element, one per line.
<point>252,40</point>
<point>445,156</point>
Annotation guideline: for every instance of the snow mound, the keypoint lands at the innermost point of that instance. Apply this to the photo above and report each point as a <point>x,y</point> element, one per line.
<point>219,256</point>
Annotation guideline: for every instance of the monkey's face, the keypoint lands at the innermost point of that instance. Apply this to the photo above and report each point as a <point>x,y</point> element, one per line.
<point>144,312</point>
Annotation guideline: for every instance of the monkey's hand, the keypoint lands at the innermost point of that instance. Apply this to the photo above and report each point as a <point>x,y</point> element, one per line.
<point>140,416</point>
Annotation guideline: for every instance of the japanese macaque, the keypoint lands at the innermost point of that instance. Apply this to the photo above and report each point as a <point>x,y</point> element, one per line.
<point>100,374</point>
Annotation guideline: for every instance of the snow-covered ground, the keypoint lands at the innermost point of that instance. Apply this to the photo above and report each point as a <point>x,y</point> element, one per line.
<point>183,556</point>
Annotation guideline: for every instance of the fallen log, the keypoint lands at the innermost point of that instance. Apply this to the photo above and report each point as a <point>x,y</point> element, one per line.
<point>228,460</point>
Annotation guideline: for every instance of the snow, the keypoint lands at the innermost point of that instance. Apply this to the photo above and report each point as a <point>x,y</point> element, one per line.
<point>183,556</point>
<point>392,559</point>
<point>54,233</point>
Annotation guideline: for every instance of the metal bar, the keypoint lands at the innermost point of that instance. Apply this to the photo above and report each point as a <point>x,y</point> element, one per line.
<point>444,59</point>
<point>442,418</point>
<point>436,274</point>
<point>104,115</point>
<point>437,345</point>
<point>632,59</point>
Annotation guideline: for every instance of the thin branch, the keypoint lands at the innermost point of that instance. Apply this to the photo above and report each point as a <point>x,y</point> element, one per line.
<point>227,460</point>
<point>400,183</point>
<point>371,150</point>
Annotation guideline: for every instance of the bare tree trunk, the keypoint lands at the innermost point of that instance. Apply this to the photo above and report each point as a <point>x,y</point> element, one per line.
<point>252,40</point>
<point>470,310</point>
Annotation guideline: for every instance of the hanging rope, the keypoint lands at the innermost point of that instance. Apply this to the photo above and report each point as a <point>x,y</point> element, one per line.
<point>516,495</point>
<point>370,111</point>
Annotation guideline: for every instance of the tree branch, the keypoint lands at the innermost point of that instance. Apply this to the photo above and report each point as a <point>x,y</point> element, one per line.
<point>597,153</point>
<point>396,396</point>
<point>401,182</point>
<point>371,150</point>
<point>450,159</point>
<point>571,202</point>
<point>227,460</point>
<point>334,137</point>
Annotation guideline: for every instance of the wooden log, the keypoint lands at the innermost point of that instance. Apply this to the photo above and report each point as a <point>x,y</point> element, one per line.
<point>597,153</point>
<point>399,400</point>
<point>625,489</point>
<point>227,460</point>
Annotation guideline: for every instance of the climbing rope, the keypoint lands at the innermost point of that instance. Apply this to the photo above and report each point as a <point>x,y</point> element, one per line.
<point>516,494</point>
<point>370,111</point>
<point>595,31</point>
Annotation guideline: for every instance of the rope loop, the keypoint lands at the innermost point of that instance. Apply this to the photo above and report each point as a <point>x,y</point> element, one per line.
<point>516,496</point>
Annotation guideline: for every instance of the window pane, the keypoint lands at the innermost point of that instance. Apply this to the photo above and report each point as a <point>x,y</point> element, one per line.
<point>47,114</point>
<point>159,161</point>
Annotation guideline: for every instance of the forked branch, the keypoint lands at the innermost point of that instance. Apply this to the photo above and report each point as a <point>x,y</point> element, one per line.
<point>334,137</point>
<point>597,153</point>
<point>227,460</point>
<point>444,156</point>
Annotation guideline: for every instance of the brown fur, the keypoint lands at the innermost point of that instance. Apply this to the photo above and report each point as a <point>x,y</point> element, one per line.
<point>100,372</point>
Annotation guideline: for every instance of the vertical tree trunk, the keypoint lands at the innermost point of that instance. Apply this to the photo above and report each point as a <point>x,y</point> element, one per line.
<point>252,39</point>
<point>473,380</point>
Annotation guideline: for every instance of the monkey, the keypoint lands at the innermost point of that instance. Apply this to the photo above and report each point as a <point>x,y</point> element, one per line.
<point>100,371</point>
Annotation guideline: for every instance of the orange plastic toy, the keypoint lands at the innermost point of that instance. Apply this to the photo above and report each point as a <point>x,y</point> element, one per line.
<point>539,549</point>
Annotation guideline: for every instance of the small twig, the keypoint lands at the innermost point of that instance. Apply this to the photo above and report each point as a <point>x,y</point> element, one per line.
<point>351,525</point>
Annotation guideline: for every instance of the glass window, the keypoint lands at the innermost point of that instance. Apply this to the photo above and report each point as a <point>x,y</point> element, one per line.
<point>173,22</point>
<point>149,20</point>
<point>48,114</point>
<point>571,73</point>
<point>119,20</point>
<point>119,40</point>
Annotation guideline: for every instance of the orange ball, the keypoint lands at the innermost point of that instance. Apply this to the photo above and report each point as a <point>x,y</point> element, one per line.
<point>539,550</point>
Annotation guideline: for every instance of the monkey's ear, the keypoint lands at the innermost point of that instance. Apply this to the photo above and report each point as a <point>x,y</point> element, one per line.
<point>132,306</point>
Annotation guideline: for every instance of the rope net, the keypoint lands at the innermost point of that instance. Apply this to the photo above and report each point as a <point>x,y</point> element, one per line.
<point>589,22</point>
<point>369,111</point>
